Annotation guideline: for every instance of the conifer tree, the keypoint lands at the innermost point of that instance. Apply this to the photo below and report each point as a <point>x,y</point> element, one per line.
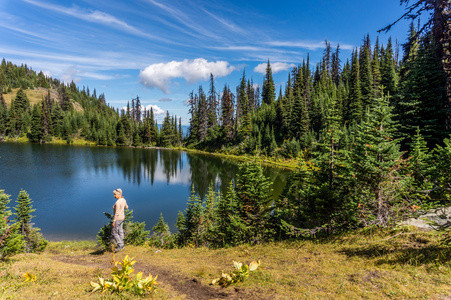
<point>211,104</point>
<point>388,70</point>
<point>375,67</point>
<point>355,109</point>
<point>376,162</point>
<point>11,242</point>
<point>254,201</point>
<point>19,107</point>
<point>366,75</point>
<point>245,113</point>
<point>269,89</point>
<point>33,239</point>
<point>161,229</point>
<point>227,114</point>
<point>422,95</point>
<point>36,132</point>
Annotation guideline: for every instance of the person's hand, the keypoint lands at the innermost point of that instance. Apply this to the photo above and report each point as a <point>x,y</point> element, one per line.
<point>112,223</point>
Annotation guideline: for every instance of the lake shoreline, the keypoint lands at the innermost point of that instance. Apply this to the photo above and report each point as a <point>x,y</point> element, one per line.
<point>291,164</point>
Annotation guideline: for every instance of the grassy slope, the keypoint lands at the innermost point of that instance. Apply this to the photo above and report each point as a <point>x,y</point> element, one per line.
<point>36,96</point>
<point>407,264</point>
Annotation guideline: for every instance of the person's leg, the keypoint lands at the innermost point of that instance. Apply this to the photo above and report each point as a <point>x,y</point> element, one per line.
<point>120,232</point>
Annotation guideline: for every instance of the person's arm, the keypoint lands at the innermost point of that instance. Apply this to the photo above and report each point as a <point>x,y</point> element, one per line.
<point>114,213</point>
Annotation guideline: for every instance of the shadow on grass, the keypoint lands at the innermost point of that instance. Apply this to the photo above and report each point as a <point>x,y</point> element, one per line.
<point>98,252</point>
<point>405,254</point>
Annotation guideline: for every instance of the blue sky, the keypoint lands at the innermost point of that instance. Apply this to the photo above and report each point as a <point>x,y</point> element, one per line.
<point>162,50</point>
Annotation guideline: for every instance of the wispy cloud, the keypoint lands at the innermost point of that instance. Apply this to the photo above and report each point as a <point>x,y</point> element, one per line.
<point>160,75</point>
<point>94,17</point>
<point>165,100</point>
<point>275,67</point>
<point>306,45</point>
<point>227,24</point>
<point>184,19</point>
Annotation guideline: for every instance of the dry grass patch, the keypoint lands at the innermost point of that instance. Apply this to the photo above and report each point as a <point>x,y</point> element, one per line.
<point>399,264</point>
<point>36,96</point>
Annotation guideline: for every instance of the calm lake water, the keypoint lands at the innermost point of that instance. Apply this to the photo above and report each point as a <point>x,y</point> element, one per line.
<point>71,186</point>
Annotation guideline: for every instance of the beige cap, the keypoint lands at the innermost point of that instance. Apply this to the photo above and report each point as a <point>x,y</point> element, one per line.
<point>117,191</point>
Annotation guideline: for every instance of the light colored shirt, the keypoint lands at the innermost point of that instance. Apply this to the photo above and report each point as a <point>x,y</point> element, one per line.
<point>119,208</point>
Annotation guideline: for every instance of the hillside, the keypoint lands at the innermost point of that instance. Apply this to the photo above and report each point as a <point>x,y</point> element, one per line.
<point>37,95</point>
<point>399,264</point>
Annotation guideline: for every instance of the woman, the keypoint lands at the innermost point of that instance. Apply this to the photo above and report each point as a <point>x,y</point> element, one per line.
<point>118,220</point>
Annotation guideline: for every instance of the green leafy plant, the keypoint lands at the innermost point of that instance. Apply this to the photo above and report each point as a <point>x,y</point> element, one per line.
<point>28,277</point>
<point>122,280</point>
<point>240,273</point>
<point>135,233</point>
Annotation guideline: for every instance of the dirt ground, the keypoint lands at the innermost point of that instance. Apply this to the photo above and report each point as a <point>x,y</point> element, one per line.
<point>184,287</point>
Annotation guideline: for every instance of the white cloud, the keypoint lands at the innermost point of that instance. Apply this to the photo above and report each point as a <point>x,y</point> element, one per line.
<point>94,17</point>
<point>160,75</point>
<point>275,67</point>
<point>306,45</point>
<point>155,108</point>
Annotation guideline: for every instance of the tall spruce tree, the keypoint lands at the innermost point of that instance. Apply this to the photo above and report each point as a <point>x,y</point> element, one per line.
<point>269,89</point>
<point>376,161</point>
<point>355,104</point>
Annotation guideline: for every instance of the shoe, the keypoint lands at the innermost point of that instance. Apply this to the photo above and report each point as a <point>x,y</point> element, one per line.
<point>118,249</point>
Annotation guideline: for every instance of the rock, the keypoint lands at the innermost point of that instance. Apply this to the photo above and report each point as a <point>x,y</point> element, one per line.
<point>432,220</point>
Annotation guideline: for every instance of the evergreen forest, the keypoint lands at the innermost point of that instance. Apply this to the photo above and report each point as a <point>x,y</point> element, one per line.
<point>371,133</point>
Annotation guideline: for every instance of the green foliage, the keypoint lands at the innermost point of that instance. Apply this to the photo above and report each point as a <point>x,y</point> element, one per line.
<point>254,202</point>
<point>134,232</point>
<point>161,230</point>
<point>240,274</point>
<point>34,241</point>
<point>290,149</point>
<point>122,281</point>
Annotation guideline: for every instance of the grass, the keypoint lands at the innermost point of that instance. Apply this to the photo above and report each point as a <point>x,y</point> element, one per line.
<point>389,264</point>
<point>36,96</point>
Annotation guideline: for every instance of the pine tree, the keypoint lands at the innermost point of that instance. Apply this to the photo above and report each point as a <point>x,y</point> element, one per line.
<point>36,133</point>
<point>366,75</point>
<point>161,229</point>
<point>211,104</point>
<point>388,71</point>
<point>254,201</point>
<point>227,114</point>
<point>422,95</point>
<point>355,104</point>
<point>193,219</point>
<point>33,239</point>
<point>19,108</point>
<point>375,67</point>
<point>376,162</point>
<point>268,92</point>
<point>245,113</point>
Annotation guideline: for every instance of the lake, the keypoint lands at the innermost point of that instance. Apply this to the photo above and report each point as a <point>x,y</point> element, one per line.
<point>71,186</point>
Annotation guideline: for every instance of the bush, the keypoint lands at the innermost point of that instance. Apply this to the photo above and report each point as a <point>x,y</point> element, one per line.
<point>290,149</point>
<point>134,233</point>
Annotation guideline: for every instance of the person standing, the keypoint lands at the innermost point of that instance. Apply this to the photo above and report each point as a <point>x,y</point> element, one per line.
<point>118,219</point>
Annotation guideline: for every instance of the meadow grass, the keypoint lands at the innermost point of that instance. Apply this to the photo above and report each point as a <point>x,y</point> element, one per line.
<point>402,263</point>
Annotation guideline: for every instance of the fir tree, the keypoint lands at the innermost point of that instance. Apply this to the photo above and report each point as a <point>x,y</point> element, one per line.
<point>268,92</point>
<point>355,93</point>
<point>33,239</point>
<point>161,229</point>
<point>36,133</point>
<point>366,75</point>
<point>376,162</point>
<point>254,202</point>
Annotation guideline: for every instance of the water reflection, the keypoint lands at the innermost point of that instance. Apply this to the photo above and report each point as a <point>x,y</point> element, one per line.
<point>67,183</point>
